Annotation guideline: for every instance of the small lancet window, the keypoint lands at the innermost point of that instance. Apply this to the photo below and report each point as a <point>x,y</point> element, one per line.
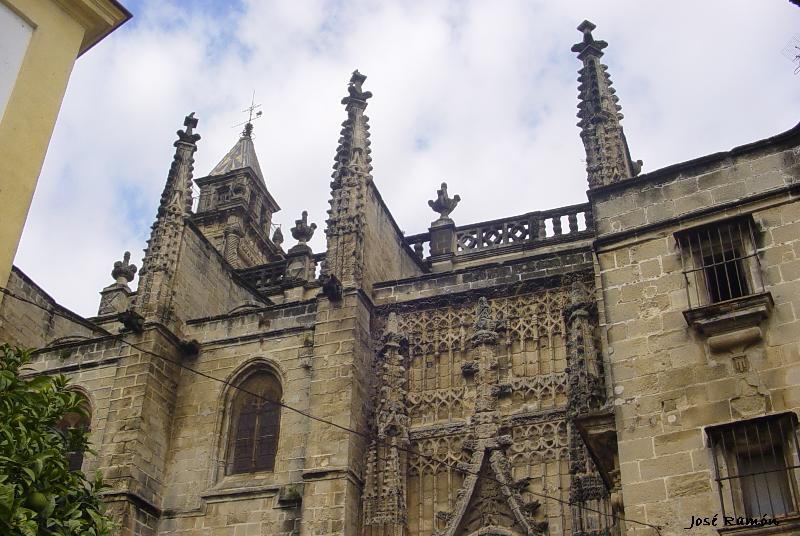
<point>79,421</point>
<point>255,424</point>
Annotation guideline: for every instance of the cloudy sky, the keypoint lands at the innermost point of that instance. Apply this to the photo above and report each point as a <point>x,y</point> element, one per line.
<point>481,94</point>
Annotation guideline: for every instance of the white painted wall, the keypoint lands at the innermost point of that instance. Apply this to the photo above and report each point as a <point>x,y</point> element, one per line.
<point>15,34</point>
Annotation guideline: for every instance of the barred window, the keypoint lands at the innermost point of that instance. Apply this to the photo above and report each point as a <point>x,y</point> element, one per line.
<point>720,262</point>
<point>756,466</point>
<point>255,424</point>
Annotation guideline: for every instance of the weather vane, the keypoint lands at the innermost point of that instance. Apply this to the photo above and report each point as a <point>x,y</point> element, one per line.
<point>792,52</point>
<point>248,125</point>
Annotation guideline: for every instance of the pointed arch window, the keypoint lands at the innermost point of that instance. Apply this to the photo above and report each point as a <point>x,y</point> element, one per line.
<point>255,424</point>
<point>81,421</point>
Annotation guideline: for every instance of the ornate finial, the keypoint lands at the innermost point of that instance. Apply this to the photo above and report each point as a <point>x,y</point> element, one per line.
<point>277,237</point>
<point>443,204</point>
<point>188,135</point>
<point>302,232</point>
<point>354,88</point>
<point>123,270</point>
<point>588,45</point>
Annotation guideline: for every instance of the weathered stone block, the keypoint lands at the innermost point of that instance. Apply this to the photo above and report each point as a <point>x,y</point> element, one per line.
<point>688,485</point>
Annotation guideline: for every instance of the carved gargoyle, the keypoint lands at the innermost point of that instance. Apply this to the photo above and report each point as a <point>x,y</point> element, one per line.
<point>444,204</point>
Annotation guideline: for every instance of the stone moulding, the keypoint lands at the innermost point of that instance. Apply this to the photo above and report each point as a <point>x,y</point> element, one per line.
<point>730,315</point>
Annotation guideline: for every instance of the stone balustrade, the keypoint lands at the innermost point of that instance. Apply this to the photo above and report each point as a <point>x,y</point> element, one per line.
<point>541,227</point>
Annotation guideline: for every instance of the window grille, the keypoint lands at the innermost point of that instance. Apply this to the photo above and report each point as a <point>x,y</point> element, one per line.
<point>756,466</point>
<point>720,262</point>
<point>255,425</point>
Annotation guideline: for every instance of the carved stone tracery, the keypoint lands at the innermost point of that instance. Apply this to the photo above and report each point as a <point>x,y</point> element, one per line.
<point>488,389</point>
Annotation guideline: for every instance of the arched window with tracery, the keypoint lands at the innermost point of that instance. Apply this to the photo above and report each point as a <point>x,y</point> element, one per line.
<point>255,424</point>
<point>79,421</point>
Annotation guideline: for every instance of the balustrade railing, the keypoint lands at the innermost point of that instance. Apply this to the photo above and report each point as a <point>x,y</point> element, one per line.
<point>562,223</point>
<point>266,276</point>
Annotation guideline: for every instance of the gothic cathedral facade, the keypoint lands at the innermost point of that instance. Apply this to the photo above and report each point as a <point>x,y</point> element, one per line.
<point>619,366</point>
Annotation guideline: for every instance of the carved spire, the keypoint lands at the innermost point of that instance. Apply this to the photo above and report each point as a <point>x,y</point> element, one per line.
<point>353,153</point>
<point>161,255</point>
<point>608,158</point>
<point>351,174</point>
<point>177,195</point>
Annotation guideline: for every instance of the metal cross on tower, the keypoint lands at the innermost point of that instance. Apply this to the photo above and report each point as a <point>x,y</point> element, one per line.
<point>248,125</point>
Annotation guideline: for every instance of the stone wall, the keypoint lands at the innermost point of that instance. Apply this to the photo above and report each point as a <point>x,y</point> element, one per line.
<point>668,383</point>
<point>514,272</point>
<point>718,180</point>
<point>339,392</point>
<point>198,492</point>
<point>132,395</point>
<point>205,285</point>
<point>26,325</point>
<point>386,255</point>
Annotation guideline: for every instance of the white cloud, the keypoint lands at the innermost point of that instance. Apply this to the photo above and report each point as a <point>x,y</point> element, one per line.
<point>480,94</point>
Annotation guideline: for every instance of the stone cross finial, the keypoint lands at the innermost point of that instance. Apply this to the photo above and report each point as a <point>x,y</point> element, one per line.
<point>444,204</point>
<point>302,232</point>
<point>188,135</point>
<point>589,44</point>
<point>124,271</point>
<point>277,237</point>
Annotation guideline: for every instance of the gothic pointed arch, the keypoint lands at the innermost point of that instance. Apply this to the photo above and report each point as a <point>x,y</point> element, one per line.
<point>82,421</point>
<point>251,432</point>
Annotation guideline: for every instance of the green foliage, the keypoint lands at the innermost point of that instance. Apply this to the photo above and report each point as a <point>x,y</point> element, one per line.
<point>39,495</point>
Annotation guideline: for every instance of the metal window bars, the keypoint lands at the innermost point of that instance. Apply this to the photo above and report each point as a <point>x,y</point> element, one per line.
<point>756,464</point>
<point>720,262</point>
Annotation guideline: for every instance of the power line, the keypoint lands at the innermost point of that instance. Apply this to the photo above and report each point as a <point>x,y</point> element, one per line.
<point>369,437</point>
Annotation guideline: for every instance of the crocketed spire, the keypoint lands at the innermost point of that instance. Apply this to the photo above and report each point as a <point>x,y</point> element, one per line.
<point>161,256</point>
<point>353,152</point>
<point>608,158</point>
<point>351,174</point>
